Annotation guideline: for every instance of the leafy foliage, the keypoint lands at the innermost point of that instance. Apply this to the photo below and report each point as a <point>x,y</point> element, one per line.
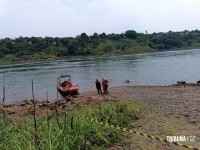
<point>130,42</point>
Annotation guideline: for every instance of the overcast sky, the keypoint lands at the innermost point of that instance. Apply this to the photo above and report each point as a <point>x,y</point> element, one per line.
<point>64,18</point>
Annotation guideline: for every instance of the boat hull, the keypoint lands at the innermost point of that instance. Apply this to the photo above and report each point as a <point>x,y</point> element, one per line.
<point>66,91</point>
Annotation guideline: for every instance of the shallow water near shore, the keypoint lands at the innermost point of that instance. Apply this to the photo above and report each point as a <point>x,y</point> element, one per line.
<point>158,68</point>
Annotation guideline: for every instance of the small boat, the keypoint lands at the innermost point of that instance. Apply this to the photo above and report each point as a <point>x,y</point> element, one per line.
<point>66,87</point>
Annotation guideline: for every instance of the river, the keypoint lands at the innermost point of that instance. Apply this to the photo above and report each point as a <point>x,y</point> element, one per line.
<point>157,68</point>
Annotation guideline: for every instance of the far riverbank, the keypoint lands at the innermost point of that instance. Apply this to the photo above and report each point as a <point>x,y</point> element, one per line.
<point>52,58</point>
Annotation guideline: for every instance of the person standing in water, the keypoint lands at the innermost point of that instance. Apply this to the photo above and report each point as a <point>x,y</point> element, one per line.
<point>98,86</point>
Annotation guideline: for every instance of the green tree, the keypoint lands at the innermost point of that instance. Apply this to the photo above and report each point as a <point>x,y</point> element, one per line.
<point>95,36</point>
<point>131,34</point>
<point>84,37</point>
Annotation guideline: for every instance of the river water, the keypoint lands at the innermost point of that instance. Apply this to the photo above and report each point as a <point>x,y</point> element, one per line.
<point>157,68</point>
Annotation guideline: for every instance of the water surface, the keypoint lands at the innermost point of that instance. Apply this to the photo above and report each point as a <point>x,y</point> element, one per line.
<point>158,68</point>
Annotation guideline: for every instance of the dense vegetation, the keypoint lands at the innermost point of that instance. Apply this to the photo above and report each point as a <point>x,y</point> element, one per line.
<point>63,132</point>
<point>25,48</point>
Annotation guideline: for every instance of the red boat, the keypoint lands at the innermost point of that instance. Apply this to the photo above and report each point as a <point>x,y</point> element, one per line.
<point>66,87</point>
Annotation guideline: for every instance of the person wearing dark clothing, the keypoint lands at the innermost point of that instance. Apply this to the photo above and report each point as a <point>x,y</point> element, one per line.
<point>98,86</point>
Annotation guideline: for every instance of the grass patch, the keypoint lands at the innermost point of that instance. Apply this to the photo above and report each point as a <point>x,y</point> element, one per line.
<point>72,132</point>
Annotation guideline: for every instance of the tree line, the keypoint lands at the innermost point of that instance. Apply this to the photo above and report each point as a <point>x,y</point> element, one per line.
<point>96,44</point>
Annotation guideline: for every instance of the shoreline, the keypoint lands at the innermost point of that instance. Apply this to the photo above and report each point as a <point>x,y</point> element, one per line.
<point>87,93</point>
<point>79,56</point>
<point>175,99</point>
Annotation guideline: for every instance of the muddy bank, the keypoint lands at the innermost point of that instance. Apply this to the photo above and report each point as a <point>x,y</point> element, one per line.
<point>44,108</point>
<point>166,110</point>
<point>175,100</point>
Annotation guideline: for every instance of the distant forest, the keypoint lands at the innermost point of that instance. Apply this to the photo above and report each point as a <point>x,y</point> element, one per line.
<point>29,48</point>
